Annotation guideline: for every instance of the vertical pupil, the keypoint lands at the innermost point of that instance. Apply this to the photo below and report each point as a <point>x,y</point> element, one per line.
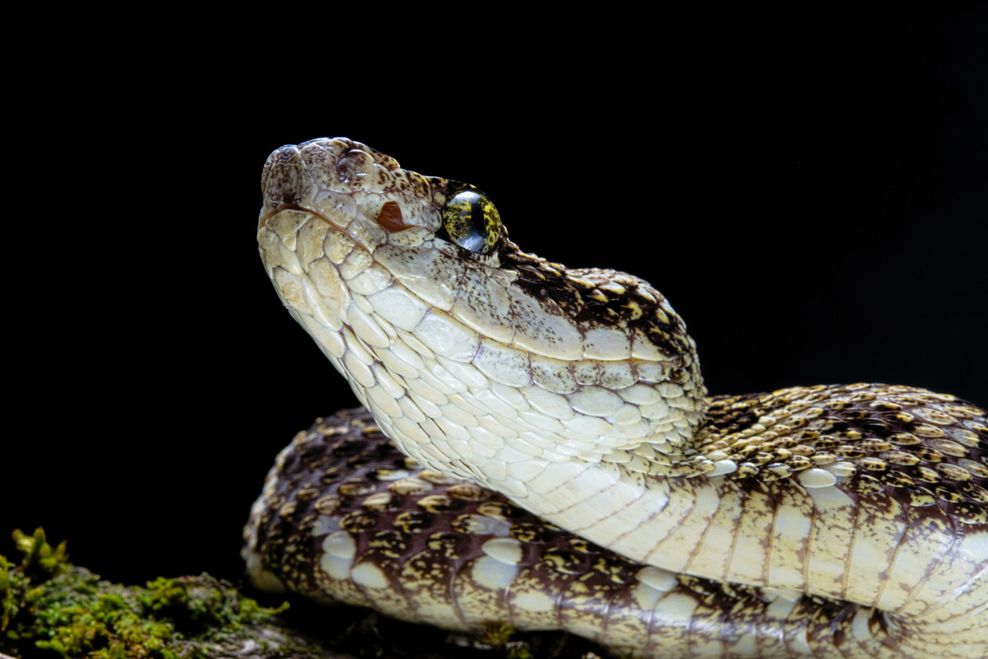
<point>477,216</point>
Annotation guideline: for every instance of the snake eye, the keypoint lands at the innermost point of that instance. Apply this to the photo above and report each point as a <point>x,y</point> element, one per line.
<point>471,221</point>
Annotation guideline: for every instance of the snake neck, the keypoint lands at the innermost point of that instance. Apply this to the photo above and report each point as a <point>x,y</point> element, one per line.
<point>492,374</point>
<point>636,348</point>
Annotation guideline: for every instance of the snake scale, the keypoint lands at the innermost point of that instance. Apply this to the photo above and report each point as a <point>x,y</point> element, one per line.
<point>555,462</point>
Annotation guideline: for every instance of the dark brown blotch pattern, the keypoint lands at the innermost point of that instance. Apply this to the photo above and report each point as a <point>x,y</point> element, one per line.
<point>419,528</point>
<point>924,449</point>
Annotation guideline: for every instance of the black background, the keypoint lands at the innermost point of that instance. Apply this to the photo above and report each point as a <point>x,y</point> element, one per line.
<point>809,191</point>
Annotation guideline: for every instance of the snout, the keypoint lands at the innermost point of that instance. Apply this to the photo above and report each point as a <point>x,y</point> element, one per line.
<point>282,180</point>
<point>301,175</point>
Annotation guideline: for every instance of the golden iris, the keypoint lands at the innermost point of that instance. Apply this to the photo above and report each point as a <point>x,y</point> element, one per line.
<point>471,221</point>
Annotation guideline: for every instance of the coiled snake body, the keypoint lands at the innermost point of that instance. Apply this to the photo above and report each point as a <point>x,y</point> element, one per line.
<point>832,520</point>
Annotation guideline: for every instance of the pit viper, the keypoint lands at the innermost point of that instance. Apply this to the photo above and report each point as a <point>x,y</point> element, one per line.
<point>537,448</point>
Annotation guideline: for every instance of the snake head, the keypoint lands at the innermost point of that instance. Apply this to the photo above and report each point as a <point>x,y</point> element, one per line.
<point>441,324</point>
<point>367,196</point>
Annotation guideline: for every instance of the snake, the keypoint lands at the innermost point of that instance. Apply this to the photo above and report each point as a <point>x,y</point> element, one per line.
<point>537,448</point>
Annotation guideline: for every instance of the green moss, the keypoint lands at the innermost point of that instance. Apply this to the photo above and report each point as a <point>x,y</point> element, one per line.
<point>49,607</point>
<point>519,651</point>
<point>502,637</point>
<point>39,556</point>
<point>498,636</point>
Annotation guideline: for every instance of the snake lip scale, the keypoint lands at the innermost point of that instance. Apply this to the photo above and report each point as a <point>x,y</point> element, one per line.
<point>555,461</point>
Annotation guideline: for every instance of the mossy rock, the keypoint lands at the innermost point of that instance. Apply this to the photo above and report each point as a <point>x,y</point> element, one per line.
<point>51,608</point>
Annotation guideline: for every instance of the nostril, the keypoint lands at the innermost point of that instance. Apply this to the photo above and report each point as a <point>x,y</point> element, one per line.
<point>353,165</point>
<point>281,180</point>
